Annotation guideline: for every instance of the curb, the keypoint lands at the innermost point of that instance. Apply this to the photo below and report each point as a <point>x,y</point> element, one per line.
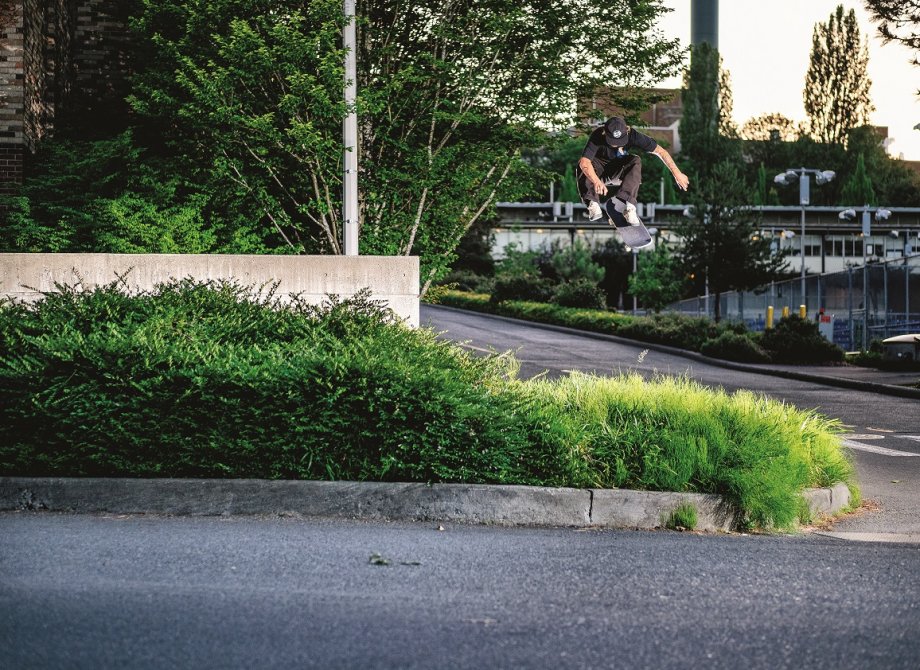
<point>489,504</point>
<point>871,387</point>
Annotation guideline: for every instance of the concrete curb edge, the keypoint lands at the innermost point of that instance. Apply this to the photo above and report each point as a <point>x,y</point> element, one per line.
<point>872,387</point>
<point>490,504</point>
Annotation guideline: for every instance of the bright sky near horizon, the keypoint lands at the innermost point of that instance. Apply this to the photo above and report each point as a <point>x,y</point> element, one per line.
<point>766,46</point>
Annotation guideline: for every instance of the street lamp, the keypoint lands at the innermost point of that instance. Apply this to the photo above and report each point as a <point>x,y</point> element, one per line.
<point>803,175</point>
<point>881,214</point>
<point>690,212</point>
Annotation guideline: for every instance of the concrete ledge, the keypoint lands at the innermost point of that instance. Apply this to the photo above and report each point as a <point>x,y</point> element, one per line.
<point>828,501</point>
<point>471,503</point>
<point>377,501</point>
<point>394,279</point>
<point>621,508</point>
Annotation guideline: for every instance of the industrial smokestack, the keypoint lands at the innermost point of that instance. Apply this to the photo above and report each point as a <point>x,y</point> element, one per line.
<point>704,22</point>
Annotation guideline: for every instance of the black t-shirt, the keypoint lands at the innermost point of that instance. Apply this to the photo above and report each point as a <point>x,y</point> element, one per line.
<point>600,153</point>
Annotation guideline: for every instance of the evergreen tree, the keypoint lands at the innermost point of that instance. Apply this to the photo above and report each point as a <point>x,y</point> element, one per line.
<point>569,191</point>
<point>727,126</point>
<point>707,100</point>
<point>670,193</point>
<point>858,189</point>
<point>837,84</point>
<point>721,243</point>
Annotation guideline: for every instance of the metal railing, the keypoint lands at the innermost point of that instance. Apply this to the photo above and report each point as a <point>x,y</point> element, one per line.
<point>863,303</point>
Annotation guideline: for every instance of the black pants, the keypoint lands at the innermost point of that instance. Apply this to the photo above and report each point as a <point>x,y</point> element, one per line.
<point>627,170</point>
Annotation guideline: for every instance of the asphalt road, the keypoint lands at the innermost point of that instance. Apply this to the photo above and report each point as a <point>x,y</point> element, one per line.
<point>140,592</point>
<point>883,431</point>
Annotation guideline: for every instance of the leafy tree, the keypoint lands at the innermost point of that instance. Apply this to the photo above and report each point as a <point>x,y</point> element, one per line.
<point>727,126</point>
<point>706,121</point>
<point>858,189</point>
<point>894,184</point>
<point>837,83</point>
<point>658,280</point>
<point>898,21</point>
<point>769,127</point>
<point>449,94</point>
<point>720,241</point>
<point>574,262</point>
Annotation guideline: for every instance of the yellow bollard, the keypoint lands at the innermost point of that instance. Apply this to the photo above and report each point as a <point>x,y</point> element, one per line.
<point>785,311</point>
<point>803,311</point>
<point>769,317</point>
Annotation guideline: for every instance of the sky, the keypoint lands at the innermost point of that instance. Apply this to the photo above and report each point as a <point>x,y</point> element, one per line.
<point>766,45</point>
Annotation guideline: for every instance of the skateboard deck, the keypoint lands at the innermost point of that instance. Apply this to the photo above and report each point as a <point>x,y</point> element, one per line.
<point>632,236</point>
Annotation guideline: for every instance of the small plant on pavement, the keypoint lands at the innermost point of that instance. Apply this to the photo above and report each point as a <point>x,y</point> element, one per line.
<point>682,517</point>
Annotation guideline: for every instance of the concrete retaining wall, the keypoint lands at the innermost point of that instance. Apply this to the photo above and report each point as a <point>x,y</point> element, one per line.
<point>394,279</point>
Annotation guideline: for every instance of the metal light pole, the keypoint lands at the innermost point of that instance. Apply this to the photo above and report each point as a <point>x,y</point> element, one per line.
<point>803,175</point>
<point>881,214</point>
<point>350,135</point>
<point>635,253</point>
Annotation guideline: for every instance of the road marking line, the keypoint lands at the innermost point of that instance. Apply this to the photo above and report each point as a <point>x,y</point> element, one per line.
<point>915,438</point>
<point>876,450</point>
<point>860,436</point>
<point>879,430</point>
<point>906,538</point>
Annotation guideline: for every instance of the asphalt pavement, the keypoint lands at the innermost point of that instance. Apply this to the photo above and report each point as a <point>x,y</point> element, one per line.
<point>97,592</point>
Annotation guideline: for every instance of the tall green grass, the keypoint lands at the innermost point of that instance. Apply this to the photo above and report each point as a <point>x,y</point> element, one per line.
<point>672,434</point>
<point>219,380</point>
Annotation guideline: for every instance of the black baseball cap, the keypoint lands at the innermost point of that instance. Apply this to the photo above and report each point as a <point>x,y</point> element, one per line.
<point>616,132</point>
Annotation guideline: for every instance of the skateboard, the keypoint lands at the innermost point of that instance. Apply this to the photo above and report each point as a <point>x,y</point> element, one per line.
<point>635,237</point>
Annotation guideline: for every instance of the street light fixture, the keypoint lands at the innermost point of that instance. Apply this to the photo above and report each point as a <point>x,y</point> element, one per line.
<point>803,175</point>
<point>881,214</point>
<point>690,212</point>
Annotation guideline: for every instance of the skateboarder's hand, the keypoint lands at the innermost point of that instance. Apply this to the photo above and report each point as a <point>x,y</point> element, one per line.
<point>682,180</point>
<point>600,187</point>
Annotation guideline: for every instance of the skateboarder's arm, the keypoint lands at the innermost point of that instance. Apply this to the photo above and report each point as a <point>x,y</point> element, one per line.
<point>588,169</point>
<point>682,180</point>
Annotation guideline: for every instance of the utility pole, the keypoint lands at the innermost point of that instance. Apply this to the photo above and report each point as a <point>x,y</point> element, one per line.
<point>350,135</point>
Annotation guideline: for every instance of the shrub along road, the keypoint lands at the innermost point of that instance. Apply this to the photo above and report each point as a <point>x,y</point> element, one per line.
<point>882,428</point>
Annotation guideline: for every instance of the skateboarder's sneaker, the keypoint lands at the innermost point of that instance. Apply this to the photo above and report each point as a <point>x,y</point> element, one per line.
<point>628,210</point>
<point>594,211</point>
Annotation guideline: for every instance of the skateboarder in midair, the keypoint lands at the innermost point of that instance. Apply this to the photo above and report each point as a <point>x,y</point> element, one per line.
<point>606,160</point>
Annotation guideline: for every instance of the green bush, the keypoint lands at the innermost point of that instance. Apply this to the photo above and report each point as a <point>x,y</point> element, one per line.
<point>528,288</point>
<point>573,262</point>
<point>466,280</point>
<point>580,293</point>
<point>211,380</point>
<point>732,346</point>
<point>797,340</point>
<point>216,380</point>
<point>677,330</point>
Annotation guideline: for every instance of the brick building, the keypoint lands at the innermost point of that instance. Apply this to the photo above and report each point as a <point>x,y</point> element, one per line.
<point>60,60</point>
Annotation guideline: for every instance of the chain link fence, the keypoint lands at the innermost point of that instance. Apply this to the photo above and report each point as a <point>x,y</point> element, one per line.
<point>853,307</point>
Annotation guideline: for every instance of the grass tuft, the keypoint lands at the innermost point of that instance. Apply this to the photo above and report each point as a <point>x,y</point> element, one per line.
<point>682,517</point>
